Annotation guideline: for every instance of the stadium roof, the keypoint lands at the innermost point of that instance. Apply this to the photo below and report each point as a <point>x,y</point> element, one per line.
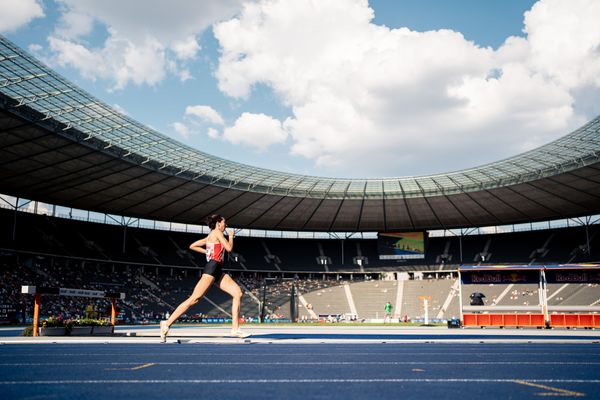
<point>61,145</point>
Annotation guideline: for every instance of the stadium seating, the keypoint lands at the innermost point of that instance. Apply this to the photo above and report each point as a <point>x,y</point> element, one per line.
<point>113,243</point>
<point>157,271</point>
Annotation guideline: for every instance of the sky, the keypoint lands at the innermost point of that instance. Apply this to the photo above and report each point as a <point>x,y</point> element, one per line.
<point>333,88</point>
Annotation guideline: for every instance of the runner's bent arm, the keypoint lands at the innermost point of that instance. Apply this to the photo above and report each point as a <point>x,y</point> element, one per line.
<point>198,246</point>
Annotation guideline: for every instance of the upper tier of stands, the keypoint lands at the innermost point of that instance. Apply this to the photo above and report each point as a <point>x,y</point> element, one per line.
<point>107,243</point>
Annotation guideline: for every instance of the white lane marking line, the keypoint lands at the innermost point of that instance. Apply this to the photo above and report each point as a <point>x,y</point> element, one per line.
<point>267,354</point>
<point>246,381</point>
<point>590,363</point>
<point>553,390</point>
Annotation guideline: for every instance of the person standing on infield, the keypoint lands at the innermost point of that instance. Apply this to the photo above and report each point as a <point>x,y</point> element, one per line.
<point>388,312</point>
<point>214,246</point>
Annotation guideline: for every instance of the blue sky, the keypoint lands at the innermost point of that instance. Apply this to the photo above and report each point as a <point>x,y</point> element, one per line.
<point>338,88</point>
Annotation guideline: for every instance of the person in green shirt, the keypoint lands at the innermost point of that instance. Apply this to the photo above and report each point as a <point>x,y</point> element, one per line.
<point>388,312</point>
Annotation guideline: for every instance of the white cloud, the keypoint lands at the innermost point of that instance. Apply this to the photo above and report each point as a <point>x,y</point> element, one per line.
<point>73,24</point>
<point>182,130</point>
<point>196,118</point>
<point>184,75</point>
<point>186,49</point>
<point>205,113</point>
<point>564,39</point>
<point>16,13</point>
<point>404,101</point>
<point>186,132</point>
<point>34,48</point>
<point>258,131</point>
<point>146,38</point>
<point>119,60</point>
<point>213,133</point>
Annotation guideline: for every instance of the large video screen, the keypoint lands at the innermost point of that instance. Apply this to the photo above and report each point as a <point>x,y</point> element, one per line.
<point>401,245</point>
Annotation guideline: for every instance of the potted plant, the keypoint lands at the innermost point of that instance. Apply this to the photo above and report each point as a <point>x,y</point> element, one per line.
<point>27,331</point>
<point>81,327</point>
<point>53,326</point>
<point>104,327</point>
<point>90,326</point>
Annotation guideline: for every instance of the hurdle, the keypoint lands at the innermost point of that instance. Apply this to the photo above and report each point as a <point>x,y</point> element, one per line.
<point>37,293</point>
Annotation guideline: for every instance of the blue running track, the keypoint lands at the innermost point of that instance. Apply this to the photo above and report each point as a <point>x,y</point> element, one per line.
<point>300,371</point>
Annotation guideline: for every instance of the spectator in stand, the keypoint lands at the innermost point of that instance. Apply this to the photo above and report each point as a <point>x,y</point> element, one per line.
<point>214,246</point>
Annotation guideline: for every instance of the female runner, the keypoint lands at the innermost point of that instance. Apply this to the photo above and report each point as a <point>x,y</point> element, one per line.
<point>214,246</point>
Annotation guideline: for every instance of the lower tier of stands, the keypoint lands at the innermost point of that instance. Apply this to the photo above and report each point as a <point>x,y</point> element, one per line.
<point>152,293</point>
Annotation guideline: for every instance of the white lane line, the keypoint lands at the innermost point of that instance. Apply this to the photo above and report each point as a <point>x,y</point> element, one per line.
<point>6,357</point>
<point>246,381</point>
<point>553,391</point>
<point>47,364</point>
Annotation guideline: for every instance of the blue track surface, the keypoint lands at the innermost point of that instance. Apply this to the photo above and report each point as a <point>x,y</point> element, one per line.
<point>303,371</point>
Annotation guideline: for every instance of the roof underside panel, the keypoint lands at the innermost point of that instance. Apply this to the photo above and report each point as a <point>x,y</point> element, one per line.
<point>322,219</point>
<point>500,210</point>
<point>475,213</point>
<point>446,212</point>
<point>275,210</point>
<point>372,215</point>
<point>397,216</point>
<point>262,207</point>
<point>297,218</point>
<point>210,199</point>
<point>421,213</point>
<point>524,201</point>
<point>99,186</point>
<point>238,205</point>
<point>592,173</point>
<point>130,191</point>
<point>568,197</point>
<point>174,207</point>
<point>347,215</point>
<point>545,198</point>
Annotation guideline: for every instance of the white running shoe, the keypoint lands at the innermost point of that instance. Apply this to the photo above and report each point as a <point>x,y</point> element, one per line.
<point>239,333</point>
<point>164,329</point>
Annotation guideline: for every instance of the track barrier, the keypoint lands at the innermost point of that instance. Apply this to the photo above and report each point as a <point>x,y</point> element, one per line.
<point>37,293</point>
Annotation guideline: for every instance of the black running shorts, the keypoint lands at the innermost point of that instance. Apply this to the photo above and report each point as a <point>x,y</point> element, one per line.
<point>214,269</point>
